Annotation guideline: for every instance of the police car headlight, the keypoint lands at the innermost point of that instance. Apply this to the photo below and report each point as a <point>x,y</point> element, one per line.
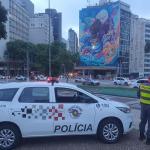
<point>124,109</point>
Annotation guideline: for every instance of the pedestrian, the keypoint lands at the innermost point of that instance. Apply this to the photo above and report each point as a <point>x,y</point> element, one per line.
<point>67,78</point>
<point>144,95</point>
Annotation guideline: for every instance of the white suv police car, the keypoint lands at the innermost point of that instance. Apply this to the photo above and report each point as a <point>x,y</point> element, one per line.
<point>41,109</point>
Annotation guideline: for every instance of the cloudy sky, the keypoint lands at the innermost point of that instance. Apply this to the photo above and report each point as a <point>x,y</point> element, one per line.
<point>70,10</point>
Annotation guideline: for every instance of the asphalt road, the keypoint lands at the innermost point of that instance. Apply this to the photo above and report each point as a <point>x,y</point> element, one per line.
<point>128,142</point>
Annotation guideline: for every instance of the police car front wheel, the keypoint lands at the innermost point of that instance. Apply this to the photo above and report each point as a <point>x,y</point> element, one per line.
<point>9,137</point>
<point>110,131</point>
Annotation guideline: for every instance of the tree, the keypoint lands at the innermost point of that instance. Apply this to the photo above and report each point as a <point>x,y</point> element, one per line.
<point>3,19</point>
<point>147,47</point>
<point>20,51</point>
<point>39,58</point>
<point>17,50</point>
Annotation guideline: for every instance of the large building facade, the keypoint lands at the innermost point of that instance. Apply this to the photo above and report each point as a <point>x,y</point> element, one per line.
<point>39,29</point>
<point>17,26</point>
<point>105,39</point>
<point>72,41</point>
<point>56,23</point>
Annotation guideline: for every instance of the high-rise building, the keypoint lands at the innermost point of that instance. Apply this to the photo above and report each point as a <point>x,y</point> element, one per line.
<point>28,5</point>
<point>139,57</point>
<point>39,29</point>
<point>125,24</point>
<point>105,39</point>
<point>17,25</point>
<point>56,23</point>
<point>72,41</point>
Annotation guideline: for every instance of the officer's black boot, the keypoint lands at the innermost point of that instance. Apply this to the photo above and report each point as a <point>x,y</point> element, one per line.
<point>142,137</point>
<point>148,141</point>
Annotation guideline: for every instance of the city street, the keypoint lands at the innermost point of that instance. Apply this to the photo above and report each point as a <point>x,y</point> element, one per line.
<point>128,142</point>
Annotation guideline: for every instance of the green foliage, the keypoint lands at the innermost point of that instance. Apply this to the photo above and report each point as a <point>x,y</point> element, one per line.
<point>17,50</point>
<point>3,19</point>
<point>61,59</point>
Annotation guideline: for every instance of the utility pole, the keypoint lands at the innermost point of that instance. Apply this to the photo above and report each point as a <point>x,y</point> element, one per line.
<point>27,58</point>
<point>49,46</point>
<point>7,73</point>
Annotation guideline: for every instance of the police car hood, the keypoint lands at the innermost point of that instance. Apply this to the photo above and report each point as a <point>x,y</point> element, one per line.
<point>112,103</point>
<point>118,104</point>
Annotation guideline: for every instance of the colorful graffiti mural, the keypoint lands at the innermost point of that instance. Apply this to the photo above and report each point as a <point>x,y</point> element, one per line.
<point>99,35</point>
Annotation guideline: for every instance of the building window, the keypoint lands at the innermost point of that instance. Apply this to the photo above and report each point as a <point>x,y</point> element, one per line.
<point>146,65</point>
<point>146,70</point>
<point>147,35</point>
<point>148,25</point>
<point>147,30</point>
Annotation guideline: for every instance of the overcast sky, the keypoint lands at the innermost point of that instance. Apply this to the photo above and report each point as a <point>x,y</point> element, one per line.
<point>70,10</point>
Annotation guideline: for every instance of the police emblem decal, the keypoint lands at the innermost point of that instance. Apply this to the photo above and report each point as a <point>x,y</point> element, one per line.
<point>75,112</point>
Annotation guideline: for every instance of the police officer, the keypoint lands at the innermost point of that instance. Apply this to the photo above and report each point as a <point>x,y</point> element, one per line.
<point>144,95</point>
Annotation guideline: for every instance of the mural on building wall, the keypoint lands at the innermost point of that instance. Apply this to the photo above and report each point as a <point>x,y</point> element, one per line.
<point>99,35</point>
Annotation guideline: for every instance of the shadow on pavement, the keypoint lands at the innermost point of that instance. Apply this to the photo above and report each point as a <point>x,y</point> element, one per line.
<point>128,142</point>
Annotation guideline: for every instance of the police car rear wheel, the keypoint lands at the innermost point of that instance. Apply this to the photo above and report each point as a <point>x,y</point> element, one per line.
<point>110,131</point>
<point>9,137</point>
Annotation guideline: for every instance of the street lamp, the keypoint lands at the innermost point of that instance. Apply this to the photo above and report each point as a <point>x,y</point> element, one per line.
<point>49,46</point>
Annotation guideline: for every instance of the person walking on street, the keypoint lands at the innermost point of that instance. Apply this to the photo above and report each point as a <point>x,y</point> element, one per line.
<point>67,78</point>
<point>144,95</point>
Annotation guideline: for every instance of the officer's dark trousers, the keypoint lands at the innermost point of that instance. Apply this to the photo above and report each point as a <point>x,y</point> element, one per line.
<point>145,117</point>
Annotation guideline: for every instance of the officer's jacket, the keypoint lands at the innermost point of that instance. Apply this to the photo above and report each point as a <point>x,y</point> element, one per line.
<point>145,93</point>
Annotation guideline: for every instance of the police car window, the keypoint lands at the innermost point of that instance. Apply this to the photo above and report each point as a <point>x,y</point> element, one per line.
<point>64,95</point>
<point>83,98</point>
<point>35,95</point>
<point>7,94</point>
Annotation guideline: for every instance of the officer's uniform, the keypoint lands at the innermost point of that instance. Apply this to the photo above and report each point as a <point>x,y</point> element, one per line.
<point>145,110</point>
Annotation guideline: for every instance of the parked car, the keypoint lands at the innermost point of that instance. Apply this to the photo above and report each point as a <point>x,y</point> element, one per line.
<point>136,83</point>
<point>89,81</point>
<point>79,80</point>
<point>20,77</point>
<point>41,78</point>
<point>66,110</point>
<point>121,81</point>
<point>2,77</point>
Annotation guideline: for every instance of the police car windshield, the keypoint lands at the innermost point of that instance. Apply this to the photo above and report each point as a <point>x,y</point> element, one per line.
<point>92,92</point>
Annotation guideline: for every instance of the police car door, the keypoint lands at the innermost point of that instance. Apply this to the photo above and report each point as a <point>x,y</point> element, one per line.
<point>75,112</point>
<point>32,112</point>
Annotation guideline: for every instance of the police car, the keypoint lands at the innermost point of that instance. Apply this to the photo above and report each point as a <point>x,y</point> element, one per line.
<point>34,109</point>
